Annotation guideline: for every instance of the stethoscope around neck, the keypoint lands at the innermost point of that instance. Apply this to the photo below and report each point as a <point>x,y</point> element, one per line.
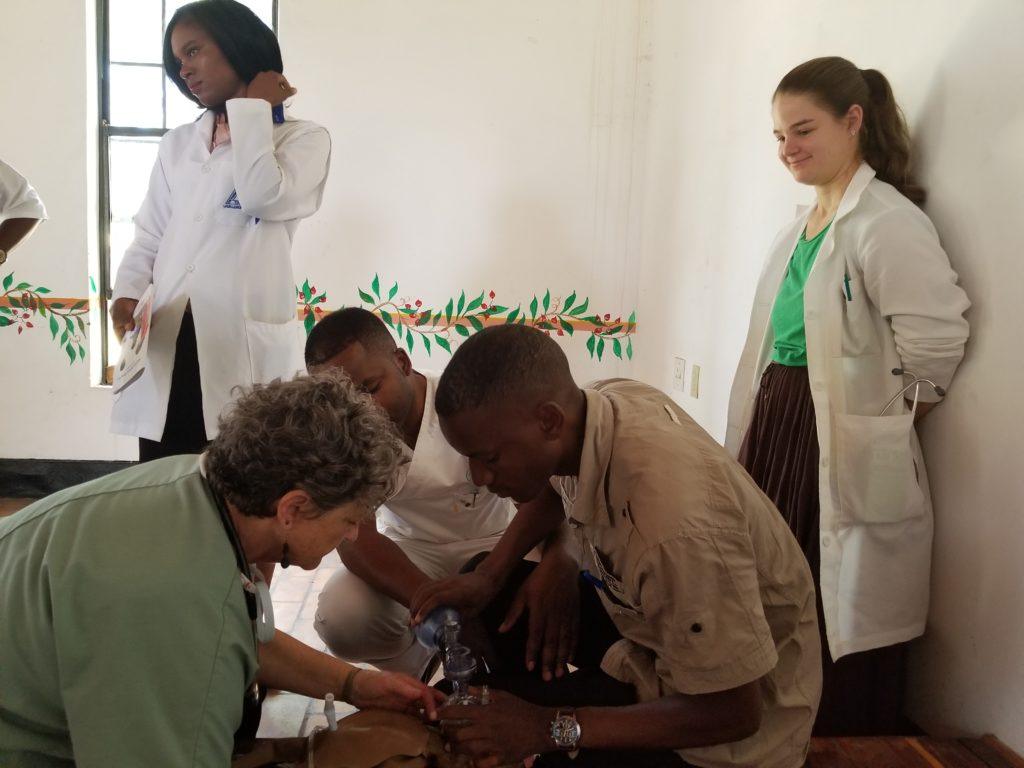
<point>915,384</point>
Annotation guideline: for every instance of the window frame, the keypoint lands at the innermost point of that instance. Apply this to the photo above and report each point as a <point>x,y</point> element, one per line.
<point>107,131</point>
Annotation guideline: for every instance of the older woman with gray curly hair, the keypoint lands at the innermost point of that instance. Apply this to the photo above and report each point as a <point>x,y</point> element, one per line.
<point>132,624</point>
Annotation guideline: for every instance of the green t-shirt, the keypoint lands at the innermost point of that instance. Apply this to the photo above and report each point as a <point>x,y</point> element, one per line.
<point>788,312</point>
<point>124,634</point>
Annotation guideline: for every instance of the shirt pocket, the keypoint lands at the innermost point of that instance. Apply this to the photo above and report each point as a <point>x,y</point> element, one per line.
<point>876,469</point>
<point>232,217</point>
<point>612,590</point>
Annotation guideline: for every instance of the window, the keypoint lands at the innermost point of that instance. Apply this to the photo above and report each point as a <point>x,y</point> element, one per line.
<point>138,105</point>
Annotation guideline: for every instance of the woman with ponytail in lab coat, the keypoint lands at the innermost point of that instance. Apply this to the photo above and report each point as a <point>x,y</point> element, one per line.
<point>214,233</point>
<point>856,300</point>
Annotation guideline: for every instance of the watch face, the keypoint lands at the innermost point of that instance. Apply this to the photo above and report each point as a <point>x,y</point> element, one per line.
<point>565,731</point>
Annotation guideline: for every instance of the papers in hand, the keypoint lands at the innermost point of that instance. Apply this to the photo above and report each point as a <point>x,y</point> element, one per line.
<point>135,345</point>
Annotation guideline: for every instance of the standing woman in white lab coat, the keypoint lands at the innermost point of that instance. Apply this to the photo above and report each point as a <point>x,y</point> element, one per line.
<point>214,233</point>
<point>856,301</point>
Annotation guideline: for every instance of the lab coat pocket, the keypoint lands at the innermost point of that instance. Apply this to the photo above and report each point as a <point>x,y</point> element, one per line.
<point>275,350</point>
<point>232,217</point>
<point>876,470</point>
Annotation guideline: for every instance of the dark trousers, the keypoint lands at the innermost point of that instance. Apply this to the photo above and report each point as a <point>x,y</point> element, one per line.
<point>587,686</point>
<point>185,430</point>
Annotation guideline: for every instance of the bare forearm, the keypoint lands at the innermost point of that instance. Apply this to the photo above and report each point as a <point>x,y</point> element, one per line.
<point>290,665</point>
<point>13,231</point>
<point>534,522</point>
<point>674,722</point>
<point>382,564</point>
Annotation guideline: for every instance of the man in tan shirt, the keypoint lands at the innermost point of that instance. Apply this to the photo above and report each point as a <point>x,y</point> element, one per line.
<point>708,591</point>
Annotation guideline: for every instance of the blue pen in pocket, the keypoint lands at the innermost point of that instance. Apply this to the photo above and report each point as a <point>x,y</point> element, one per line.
<point>846,287</point>
<point>277,114</point>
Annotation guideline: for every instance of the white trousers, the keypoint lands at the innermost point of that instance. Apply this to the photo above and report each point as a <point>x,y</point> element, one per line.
<point>360,624</point>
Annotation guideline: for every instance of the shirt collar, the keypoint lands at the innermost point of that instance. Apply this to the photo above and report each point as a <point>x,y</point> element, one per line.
<point>590,504</point>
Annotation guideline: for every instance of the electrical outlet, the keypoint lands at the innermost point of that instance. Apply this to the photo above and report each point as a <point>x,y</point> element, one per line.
<point>678,373</point>
<point>695,381</point>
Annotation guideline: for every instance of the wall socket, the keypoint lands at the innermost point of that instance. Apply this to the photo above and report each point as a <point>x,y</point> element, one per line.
<point>695,381</point>
<point>678,373</point>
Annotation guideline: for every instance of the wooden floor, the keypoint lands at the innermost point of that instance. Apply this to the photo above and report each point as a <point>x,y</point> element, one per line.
<point>911,752</point>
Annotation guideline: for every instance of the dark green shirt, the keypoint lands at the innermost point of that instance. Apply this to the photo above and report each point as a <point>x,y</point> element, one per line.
<point>788,312</point>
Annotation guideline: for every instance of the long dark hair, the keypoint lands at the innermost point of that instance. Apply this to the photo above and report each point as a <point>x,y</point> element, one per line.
<point>248,44</point>
<point>836,84</point>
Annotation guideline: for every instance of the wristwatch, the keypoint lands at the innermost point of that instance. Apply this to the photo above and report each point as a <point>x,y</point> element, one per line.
<point>565,730</point>
<point>3,255</point>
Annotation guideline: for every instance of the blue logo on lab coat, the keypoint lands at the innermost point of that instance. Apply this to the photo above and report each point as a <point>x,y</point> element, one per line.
<point>232,201</point>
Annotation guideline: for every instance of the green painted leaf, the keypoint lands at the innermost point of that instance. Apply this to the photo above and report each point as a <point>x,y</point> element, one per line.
<point>79,304</point>
<point>461,330</point>
<point>71,352</point>
<point>319,299</point>
<point>92,284</point>
<point>424,318</point>
<point>426,344</point>
<point>566,326</point>
<point>14,301</point>
<point>22,286</point>
<point>590,344</point>
<point>5,321</point>
<point>308,322</point>
<point>53,327</point>
<point>42,308</point>
<point>547,300</point>
<point>629,349</point>
<point>64,338</point>
<point>409,341</point>
<point>375,286</point>
<point>581,308</point>
<point>616,329</point>
<point>81,323</point>
<point>398,330</point>
<point>533,308</point>
<point>495,309</point>
<point>56,305</point>
<point>442,342</point>
<point>448,310</point>
<point>568,301</point>
<point>393,291</point>
<point>8,281</point>
<point>632,317</point>
<point>305,290</point>
<point>617,348</point>
<point>5,311</point>
<point>475,303</point>
<point>475,322</point>
<point>600,349</point>
<point>546,326</point>
<point>512,315</point>
<point>365,297</point>
<point>81,352</point>
<point>462,303</point>
<point>522,320</point>
<point>70,324</point>
<point>40,289</point>
<point>387,319</point>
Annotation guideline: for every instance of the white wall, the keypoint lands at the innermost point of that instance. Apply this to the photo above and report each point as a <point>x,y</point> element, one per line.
<point>622,150</point>
<point>716,195</point>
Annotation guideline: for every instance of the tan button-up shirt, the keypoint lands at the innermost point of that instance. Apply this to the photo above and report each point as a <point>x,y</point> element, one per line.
<point>699,571</point>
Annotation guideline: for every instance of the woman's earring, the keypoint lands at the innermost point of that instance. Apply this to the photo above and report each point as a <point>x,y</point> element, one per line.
<point>286,559</point>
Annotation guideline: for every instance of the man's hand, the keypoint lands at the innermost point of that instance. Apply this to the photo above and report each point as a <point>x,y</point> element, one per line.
<point>505,731</point>
<point>551,596</point>
<point>390,690</point>
<point>122,314</point>
<point>272,87</point>
<point>468,593</point>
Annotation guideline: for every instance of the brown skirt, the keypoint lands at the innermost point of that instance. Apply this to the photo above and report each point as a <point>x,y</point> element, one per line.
<point>862,693</point>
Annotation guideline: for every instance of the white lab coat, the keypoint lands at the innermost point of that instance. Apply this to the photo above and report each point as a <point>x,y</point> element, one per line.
<point>17,198</point>
<point>901,307</point>
<point>216,229</point>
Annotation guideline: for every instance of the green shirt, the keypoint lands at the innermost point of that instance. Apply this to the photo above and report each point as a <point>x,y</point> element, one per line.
<point>788,312</point>
<point>124,634</point>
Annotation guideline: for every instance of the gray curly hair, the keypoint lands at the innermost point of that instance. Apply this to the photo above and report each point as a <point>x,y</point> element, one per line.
<point>316,433</point>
